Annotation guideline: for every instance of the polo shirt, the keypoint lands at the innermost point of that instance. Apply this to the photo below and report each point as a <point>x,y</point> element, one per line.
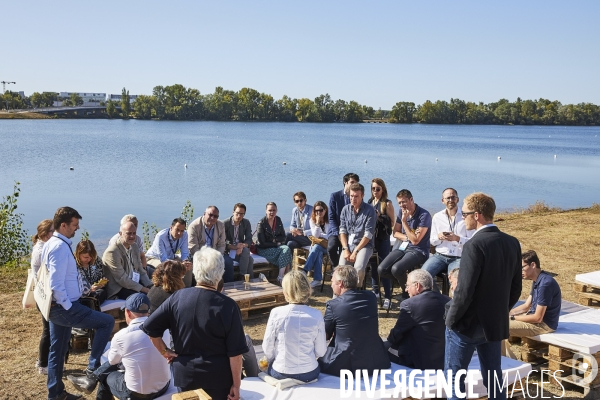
<point>420,218</point>
<point>545,291</point>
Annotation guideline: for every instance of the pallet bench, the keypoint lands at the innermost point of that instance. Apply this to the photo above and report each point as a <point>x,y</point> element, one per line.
<point>261,297</point>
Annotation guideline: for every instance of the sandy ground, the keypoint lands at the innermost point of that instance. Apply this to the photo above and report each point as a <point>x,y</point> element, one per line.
<point>568,243</point>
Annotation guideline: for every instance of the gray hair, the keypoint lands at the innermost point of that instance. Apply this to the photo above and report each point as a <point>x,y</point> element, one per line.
<point>347,275</point>
<point>209,266</point>
<point>128,218</point>
<point>125,225</point>
<point>421,277</point>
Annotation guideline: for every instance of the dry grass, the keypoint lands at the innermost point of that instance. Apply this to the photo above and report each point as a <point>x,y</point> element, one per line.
<point>568,243</point>
<point>23,115</point>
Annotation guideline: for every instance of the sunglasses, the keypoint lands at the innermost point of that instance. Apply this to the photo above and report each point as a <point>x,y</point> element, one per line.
<point>451,198</point>
<point>212,215</point>
<point>298,201</point>
<point>466,214</point>
<point>319,210</point>
<point>376,189</point>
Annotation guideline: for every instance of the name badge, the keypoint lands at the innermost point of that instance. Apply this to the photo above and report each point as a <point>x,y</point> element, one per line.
<point>232,254</point>
<point>135,277</point>
<point>351,238</point>
<point>404,245</point>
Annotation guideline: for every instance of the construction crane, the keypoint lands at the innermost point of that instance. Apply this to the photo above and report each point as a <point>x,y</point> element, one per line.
<point>4,83</point>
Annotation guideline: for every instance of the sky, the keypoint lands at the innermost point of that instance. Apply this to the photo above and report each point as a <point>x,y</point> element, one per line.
<point>376,53</point>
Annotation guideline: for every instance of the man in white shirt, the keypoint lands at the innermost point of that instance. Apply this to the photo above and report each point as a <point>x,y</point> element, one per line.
<point>66,311</point>
<point>146,374</point>
<point>138,240</point>
<point>167,243</point>
<point>448,234</point>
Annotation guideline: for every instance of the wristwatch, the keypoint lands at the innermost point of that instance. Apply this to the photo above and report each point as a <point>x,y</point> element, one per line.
<point>344,248</point>
<point>512,317</point>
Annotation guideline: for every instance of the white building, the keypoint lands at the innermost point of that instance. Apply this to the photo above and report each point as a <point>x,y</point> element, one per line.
<point>116,98</point>
<point>87,97</point>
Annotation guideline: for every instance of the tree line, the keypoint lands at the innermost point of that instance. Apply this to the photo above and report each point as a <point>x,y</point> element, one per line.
<point>176,102</point>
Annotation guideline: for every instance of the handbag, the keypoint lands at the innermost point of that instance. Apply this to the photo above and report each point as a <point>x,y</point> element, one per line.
<point>28,299</point>
<point>43,292</point>
<point>320,241</point>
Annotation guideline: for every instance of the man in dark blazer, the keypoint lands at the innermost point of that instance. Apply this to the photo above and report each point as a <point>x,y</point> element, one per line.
<point>337,201</point>
<point>489,285</point>
<point>418,336</point>
<point>239,246</point>
<point>352,325</point>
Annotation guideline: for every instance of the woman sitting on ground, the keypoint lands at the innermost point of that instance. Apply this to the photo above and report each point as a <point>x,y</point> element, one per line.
<point>271,241</point>
<point>319,226</point>
<point>295,334</point>
<point>167,279</point>
<point>91,269</point>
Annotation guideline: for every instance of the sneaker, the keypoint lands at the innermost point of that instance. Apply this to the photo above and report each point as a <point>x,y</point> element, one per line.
<point>78,332</point>
<point>67,396</point>
<point>387,304</point>
<point>315,284</point>
<point>42,370</point>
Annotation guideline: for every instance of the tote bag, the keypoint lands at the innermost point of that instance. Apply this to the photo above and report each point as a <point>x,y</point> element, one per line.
<point>28,299</point>
<point>42,292</point>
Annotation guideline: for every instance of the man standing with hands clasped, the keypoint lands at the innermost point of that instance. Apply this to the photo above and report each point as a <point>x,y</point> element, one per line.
<point>489,285</point>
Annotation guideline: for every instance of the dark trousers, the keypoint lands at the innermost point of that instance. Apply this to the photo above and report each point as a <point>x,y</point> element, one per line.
<point>334,248</point>
<point>398,263</point>
<point>111,382</point>
<point>383,248</point>
<point>44,347</point>
<point>125,293</point>
<point>295,242</point>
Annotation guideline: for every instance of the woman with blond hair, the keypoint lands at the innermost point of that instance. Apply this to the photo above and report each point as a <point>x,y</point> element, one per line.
<point>295,334</point>
<point>167,279</point>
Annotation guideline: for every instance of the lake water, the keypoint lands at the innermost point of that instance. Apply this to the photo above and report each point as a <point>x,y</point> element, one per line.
<point>137,167</point>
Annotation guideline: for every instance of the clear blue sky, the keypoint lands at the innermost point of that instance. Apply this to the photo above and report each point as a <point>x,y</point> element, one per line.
<point>376,52</point>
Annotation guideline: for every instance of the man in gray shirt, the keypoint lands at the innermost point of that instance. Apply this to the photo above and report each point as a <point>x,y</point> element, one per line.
<point>357,228</point>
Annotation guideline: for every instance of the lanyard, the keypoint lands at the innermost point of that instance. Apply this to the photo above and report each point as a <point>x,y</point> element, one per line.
<point>452,226</point>
<point>171,243</point>
<point>209,237</point>
<point>236,232</point>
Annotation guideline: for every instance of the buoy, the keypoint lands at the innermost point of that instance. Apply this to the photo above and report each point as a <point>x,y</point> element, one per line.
<point>436,159</point>
<point>284,163</point>
<point>72,169</point>
<point>184,165</point>
<point>366,161</point>
<point>499,158</point>
<point>555,156</point>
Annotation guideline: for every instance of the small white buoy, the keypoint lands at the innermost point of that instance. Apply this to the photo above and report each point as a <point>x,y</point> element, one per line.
<point>499,158</point>
<point>555,156</point>
<point>436,159</point>
<point>185,166</point>
<point>284,163</point>
<point>72,169</point>
<point>366,161</point>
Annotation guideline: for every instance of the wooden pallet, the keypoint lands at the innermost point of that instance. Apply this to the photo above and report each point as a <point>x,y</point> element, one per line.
<point>589,295</point>
<point>271,271</point>
<point>533,351</point>
<point>261,297</point>
<point>564,369</point>
<point>197,394</point>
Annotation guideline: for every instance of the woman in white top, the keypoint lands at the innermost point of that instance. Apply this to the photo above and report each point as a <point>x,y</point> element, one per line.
<point>319,226</point>
<point>45,229</point>
<point>295,334</point>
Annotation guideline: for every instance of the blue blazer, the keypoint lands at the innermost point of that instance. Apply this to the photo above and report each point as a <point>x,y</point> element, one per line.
<point>337,201</point>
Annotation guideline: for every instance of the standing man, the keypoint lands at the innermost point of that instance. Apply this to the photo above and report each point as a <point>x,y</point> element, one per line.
<point>122,266</point>
<point>357,229</point>
<point>207,230</point>
<point>238,238</point>
<point>337,202</point>
<point>66,311</point>
<point>448,235</point>
<point>489,285</point>
<point>299,227</point>
<point>145,373</point>
<point>167,243</point>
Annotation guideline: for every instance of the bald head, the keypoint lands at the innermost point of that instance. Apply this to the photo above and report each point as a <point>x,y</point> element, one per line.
<point>128,233</point>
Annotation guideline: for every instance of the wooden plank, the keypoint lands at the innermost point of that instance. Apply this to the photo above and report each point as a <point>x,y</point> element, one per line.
<point>588,295</point>
<point>197,394</point>
<point>588,287</point>
<point>558,353</point>
<point>529,343</point>
<point>579,287</point>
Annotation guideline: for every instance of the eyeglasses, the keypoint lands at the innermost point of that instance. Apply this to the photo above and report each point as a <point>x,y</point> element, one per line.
<point>240,213</point>
<point>319,210</point>
<point>299,201</point>
<point>467,213</point>
<point>376,189</point>
<point>209,215</point>
<point>450,198</point>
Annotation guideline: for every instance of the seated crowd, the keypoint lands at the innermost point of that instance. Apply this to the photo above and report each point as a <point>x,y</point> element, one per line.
<point>176,285</point>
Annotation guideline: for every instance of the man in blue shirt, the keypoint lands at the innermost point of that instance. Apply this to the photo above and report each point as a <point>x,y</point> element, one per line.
<point>66,311</point>
<point>412,229</point>
<point>300,226</point>
<point>357,228</point>
<point>167,243</point>
<point>337,202</point>
<point>540,312</point>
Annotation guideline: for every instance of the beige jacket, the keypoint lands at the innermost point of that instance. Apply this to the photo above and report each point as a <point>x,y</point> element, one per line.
<point>197,236</point>
<point>118,270</point>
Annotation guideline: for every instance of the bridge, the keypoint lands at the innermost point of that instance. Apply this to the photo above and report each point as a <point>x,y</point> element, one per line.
<point>76,111</point>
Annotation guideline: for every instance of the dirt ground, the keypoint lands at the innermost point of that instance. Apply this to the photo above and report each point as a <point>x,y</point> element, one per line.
<point>567,242</point>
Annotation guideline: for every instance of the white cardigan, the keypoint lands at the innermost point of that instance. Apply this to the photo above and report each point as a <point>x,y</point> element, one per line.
<point>317,232</point>
<point>294,338</point>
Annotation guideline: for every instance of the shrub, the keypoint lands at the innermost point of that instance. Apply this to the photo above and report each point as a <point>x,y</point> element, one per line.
<point>14,240</point>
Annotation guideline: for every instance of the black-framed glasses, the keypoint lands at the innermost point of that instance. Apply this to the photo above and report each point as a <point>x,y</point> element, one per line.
<point>376,189</point>
<point>467,213</point>
<point>298,201</point>
<point>239,213</point>
<point>450,198</point>
<point>319,210</point>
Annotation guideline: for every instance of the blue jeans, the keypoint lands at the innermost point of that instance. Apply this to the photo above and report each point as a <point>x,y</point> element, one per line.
<point>315,260</point>
<point>398,263</point>
<point>112,383</point>
<point>440,263</point>
<point>304,377</point>
<point>459,351</point>
<point>228,274</point>
<point>383,248</point>
<point>61,322</point>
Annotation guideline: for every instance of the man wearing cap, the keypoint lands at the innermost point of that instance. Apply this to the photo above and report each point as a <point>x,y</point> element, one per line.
<point>147,374</point>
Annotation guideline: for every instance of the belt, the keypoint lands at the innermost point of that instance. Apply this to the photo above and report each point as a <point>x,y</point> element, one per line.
<point>135,395</point>
<point>447,256</point>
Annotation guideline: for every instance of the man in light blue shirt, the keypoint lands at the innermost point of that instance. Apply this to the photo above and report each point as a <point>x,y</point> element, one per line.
<point>357,229</point>
<point>300,226</point>
<point>66,311</point>
<point>167,243</point>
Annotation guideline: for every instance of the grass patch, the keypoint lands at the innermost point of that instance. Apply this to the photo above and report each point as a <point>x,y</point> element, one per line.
<point>539,207</point>
<point>23,115</point>
<point>13,276</point>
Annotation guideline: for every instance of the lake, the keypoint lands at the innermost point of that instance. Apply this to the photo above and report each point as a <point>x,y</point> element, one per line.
<point>137,167</point>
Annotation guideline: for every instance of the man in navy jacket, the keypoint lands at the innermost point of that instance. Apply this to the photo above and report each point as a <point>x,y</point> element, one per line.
<point>337,201</point>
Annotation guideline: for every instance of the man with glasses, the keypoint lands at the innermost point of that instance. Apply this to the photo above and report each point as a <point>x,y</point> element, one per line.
<point>122,266</point>
<point>207,230</point>
<point>448,235</point>
<point>238,238</point>
<point>299,227</point>
<point>489,284</point>
<point>167,243</point>
<point>337,202</point>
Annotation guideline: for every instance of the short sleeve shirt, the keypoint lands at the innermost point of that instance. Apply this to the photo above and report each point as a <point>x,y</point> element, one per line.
<point>420,219</point>
<point>545,291</point>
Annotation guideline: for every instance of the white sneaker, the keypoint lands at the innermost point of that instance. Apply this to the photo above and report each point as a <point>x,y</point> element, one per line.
<point>43,370</point>
<point>386,304</point>
<point>314,284</point>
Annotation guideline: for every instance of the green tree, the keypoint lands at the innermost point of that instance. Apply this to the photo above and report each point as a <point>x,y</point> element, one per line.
<point>188,212</point>
<point>75,100</point>
<point>14,240</point>
<point>111,109</point>
<point>125,104</point>
<point>324,105</point>
<point>144,106</point>
<point>403,112</point>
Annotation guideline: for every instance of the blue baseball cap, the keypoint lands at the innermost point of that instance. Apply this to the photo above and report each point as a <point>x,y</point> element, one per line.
<point>137,303</point>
